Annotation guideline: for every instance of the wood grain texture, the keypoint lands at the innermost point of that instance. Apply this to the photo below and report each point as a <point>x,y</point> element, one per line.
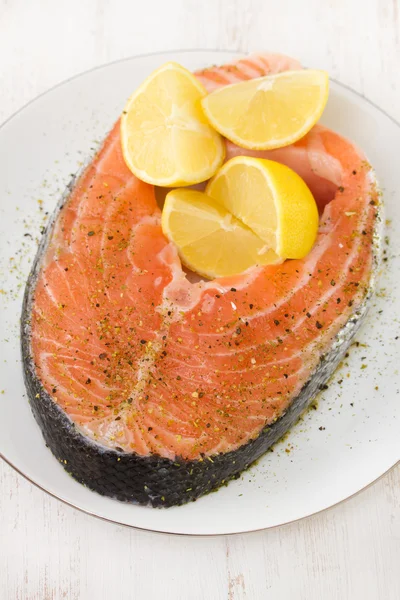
<point>50,551</point>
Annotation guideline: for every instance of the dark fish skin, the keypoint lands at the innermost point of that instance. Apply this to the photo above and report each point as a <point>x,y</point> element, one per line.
<point>153,480</point>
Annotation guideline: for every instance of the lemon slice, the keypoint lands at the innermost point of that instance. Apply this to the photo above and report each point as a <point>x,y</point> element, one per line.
<point>210,240</point>
<point>166,139</point>
<point>271,200</point>
<point>269,112</point>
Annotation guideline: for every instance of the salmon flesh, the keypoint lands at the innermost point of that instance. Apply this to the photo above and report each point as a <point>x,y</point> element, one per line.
<point>152,387</point>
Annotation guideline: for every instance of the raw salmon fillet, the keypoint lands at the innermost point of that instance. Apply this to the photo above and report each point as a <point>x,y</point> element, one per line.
<point>155,389</point>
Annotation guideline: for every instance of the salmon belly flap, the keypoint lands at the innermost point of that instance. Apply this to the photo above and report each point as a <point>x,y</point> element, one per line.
<point>154,388</point>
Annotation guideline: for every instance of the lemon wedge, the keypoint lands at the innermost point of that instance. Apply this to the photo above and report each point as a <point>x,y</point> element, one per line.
<point>166,138</point>
<point>268,112</point>
<point>254,212</point>
<point>271,200</point>
<point>210,240</point>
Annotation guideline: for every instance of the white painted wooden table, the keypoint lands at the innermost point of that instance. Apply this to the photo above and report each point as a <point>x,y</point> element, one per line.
<point>50,551</point>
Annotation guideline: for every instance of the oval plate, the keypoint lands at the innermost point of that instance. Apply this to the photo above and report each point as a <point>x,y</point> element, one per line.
<point>345,444</point>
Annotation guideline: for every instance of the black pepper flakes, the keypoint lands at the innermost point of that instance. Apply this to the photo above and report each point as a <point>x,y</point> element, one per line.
<point>318,325</point>
<point>88,380</point>
<point>341,188</point>
<point>90,233</point>
<point>276,321</point>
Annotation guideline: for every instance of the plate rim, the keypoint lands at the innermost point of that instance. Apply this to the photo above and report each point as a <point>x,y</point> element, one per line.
<point>200,535</point>
<point>136,527</point>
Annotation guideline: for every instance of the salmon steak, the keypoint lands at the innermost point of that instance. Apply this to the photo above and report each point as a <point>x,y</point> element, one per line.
<point>154,387</point>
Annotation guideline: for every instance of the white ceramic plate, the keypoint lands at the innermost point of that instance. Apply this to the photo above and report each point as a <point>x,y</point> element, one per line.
<point>313,468</point>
